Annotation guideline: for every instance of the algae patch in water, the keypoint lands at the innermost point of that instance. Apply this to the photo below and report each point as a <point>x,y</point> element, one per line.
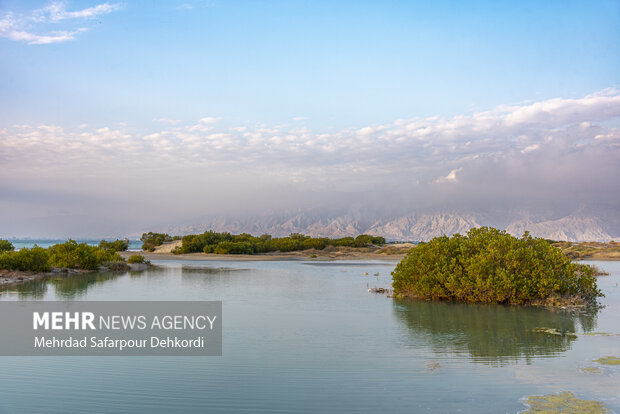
<point>432,366</point>
<point>608,360</point>
<point>564,402</point>
<point>553,331</point>
<point>591,370</point>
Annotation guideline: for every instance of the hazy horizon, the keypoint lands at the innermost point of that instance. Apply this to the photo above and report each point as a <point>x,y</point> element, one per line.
<point>122,117</point>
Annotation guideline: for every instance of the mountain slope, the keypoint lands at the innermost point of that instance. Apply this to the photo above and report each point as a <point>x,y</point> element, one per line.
<point>416,226</point>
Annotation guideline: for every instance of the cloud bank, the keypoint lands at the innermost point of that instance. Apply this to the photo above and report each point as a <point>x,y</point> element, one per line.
<point>558,152</point>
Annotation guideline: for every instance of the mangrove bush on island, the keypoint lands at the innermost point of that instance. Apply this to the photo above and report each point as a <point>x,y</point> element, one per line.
<point>137,259</point>
<point>226,243</point>
<point>115,246</point>
<point>491,266</point>
<point>151,240</point>
<point>81,256</point>
<point>70,255</point>
<point>35,259</point>
<point>6,246</point>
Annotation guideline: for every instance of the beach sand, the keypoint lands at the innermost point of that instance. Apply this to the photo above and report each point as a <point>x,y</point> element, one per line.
<point>393,252</point>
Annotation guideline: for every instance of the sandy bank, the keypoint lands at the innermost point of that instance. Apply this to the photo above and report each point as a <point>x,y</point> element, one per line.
<point>590,250</point>
<point>392,252</point>
<point>318,255</point>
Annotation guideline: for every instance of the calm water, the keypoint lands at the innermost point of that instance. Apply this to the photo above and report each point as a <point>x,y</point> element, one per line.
<point>306,337</point>
<point>134,245</point>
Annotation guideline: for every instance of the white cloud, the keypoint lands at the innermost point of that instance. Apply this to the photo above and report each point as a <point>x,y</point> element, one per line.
<point>167,121</point>
<point>33,39</point>
<point>611,134</point>
<point>28,28</point>
<point>530,148</point>
<point>450,178</point>
<point>594,107</point>
<point>208,120</point>
<point>406,154</point>
<point>56,11</point>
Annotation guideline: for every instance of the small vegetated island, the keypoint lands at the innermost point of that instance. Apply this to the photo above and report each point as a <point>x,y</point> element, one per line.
<point>491,266</point>
<point>226,243</point>
<point>30,263</point>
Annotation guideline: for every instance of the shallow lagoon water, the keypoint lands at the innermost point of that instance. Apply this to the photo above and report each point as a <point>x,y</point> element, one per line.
<point>309,337</point>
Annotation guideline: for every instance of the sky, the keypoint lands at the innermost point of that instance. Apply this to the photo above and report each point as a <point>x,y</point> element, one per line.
<point>117,116</point>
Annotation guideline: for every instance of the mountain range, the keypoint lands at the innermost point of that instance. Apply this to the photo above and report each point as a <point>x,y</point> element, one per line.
<point>581,225</point>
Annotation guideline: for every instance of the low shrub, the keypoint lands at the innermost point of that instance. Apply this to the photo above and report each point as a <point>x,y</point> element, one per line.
<point>75,255</point>
<point>136,258</point>
<point>35,259</point>
<point>116,245</point>
<point>6,246</point>
<point>491,266</point>
<point>151,240</point>
<point>226,243</point>
<point>70,255</point>
<point>228,247</point>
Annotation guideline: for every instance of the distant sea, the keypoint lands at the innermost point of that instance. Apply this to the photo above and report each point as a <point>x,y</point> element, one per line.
<point>134,245</point>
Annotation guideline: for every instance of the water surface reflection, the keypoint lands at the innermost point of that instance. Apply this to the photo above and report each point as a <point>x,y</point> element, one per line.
<point>492,334</point>
<point>70,286</point>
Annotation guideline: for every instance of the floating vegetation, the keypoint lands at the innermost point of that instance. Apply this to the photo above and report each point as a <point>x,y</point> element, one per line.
<point>380,290</point>
<point>598,271</point>
<point>432,365</point>
<point>564,402</point>
<point>553,331</point>
<point>591,370</point>
<point>608,360</point>
<point>597,334</point>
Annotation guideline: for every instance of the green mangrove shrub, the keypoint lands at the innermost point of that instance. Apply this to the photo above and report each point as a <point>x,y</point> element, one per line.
<point>35,259</point>
<point>226,243</point>
<point>136,258</point>
<point>491,266</point>
<point>75,255</point>
<point>70,254</point>
<point>115,246</point>
<point>151,240</point>
<point>228,247</point>
<point>6,246</point>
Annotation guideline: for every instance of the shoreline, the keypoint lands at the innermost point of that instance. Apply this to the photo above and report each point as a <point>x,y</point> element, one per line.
<point>304,255</point>
<point>10,278</point>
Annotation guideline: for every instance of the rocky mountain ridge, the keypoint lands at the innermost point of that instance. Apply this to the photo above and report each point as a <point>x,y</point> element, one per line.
<point>410,227</point>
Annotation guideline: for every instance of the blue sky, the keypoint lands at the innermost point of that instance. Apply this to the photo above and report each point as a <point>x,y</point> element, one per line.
<point>220,106</point>
<point>337,64</point>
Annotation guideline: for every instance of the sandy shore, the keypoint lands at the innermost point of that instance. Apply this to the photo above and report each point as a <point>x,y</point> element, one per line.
<point>393,252</point>
<point>390,252</point>
<point>304,255</point>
